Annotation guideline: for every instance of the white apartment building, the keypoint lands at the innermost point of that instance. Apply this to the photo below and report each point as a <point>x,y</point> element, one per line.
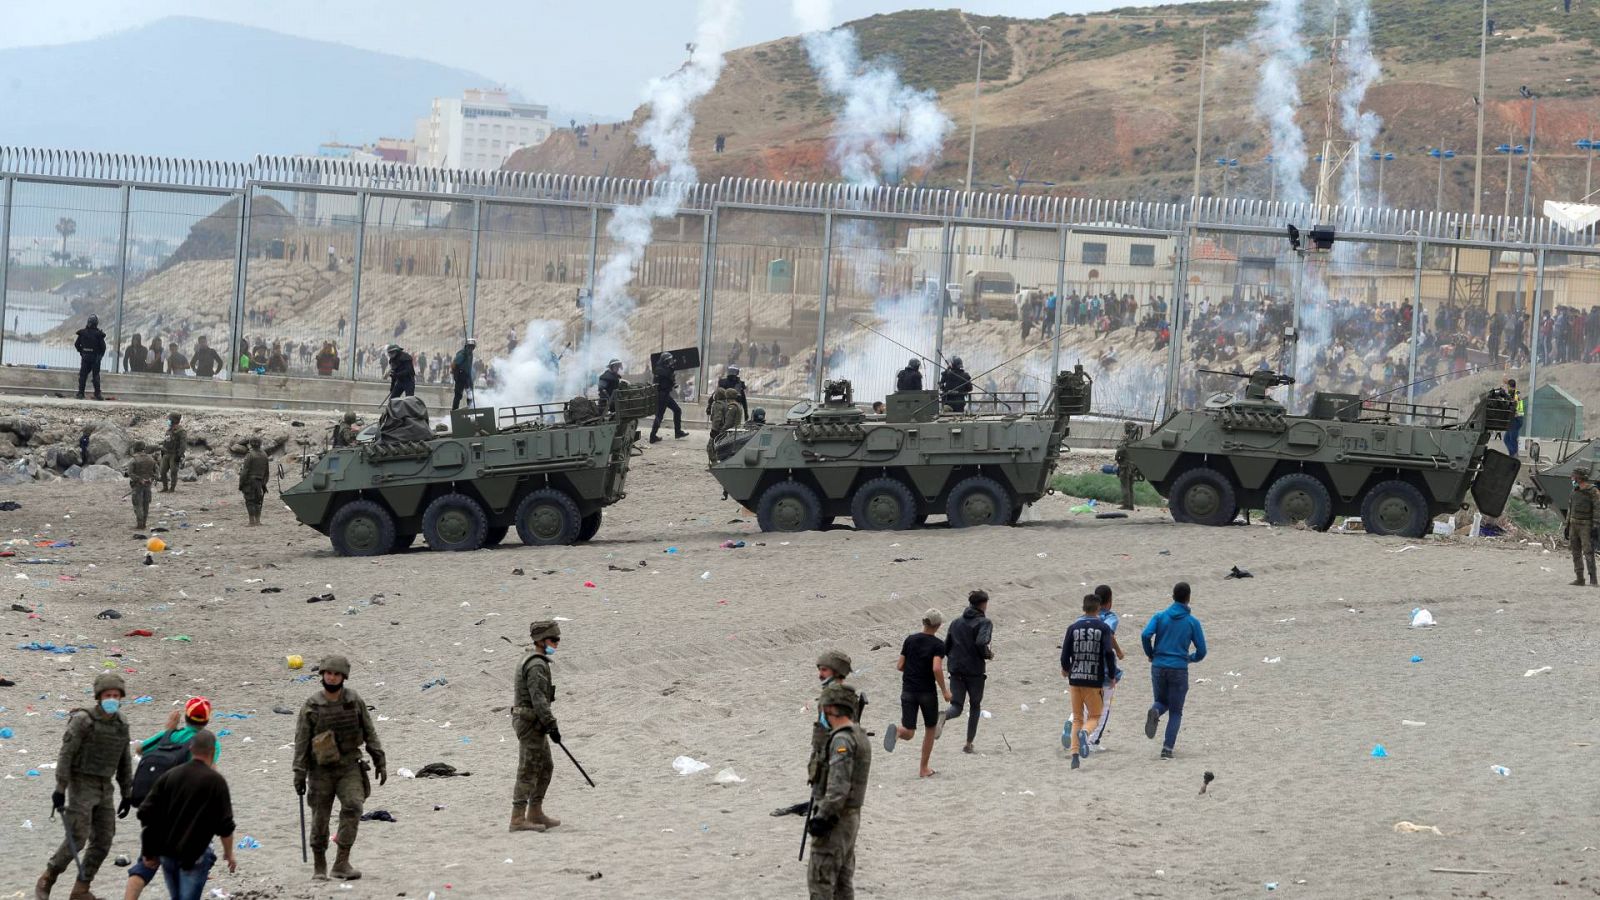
<point>479,130</point>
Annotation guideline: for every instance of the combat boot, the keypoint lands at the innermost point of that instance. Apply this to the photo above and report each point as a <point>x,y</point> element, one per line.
<point>341,866</point>
<point>80,891</point>
<point>536,815</point>
<point>520,822</point>
<point>41,888</point>
<point>319,864</point>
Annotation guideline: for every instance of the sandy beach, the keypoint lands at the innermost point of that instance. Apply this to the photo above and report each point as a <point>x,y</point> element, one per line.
<point>708,653</point>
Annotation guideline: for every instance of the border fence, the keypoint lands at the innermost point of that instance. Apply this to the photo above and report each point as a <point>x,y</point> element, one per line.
<point>308,267</point>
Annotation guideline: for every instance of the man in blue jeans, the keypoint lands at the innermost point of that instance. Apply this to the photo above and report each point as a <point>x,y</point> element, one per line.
<point>188,806</point>
<point>1167,639</point>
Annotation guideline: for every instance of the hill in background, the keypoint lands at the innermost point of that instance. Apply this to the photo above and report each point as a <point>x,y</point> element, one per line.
<point>1104,104</point>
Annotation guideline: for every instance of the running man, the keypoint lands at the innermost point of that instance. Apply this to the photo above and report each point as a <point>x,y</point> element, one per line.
<point>922,664</point>
<point>1167,640</point>
<point>1108,616</point>
<point>1087,662</point>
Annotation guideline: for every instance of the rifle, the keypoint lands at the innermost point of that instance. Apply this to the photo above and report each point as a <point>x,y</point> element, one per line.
<point>811,810</point>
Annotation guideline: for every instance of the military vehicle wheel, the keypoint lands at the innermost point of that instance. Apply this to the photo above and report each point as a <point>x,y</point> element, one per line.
<point>495,535</point>
<point>1299,497</point>
<point>1395,507</point>
<point>548,516</point>
<point>978,500</point>
<point>361,528</point>
<point>1203,496</point>
<point>883,504</point>
<point>590,526</point>
<point>454,522</point>
<point>789,506</point>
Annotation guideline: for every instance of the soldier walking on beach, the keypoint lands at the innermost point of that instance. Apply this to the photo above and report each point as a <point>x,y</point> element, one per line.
<point>141,474</point>
<point>172,447</point>
<point>253,480</point>
<point>332,727</point>
<point>94,750</point>
<point>842,788</point>
<point>1127,474</point>
<point>535,726</point>
<point>1580,524</point>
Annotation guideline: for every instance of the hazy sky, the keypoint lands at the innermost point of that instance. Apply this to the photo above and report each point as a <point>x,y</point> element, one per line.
<point>591,55</point>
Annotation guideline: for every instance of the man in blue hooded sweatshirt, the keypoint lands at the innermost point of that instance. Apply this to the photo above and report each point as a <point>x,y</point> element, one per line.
<point>1167,639</point>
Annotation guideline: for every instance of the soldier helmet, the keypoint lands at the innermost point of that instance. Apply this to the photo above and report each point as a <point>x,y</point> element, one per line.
<point>350,417</point>
<point>255,443</point>
<point>837,660</point>
<point>955,362</point>
<point>136,446</point>
<point>839,694</point>
<point>94,321</point>
<point>667,357</point>
<point>914,364</point>
<point>392,349</point>
<point>1129,427</point>
<point>758,415</point>
<point>472,342</point>
<point>1580,473</point>
<point>174,417</point>
<point>733,370</point>
<point>110,681</point>
<point>614,364</point>
<point>544,628</point>
<point>335,663</point>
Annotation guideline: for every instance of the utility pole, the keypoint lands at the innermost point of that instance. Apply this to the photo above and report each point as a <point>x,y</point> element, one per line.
<point>1483,62</point>
<point>1200,117</point>
<point>977,92</point>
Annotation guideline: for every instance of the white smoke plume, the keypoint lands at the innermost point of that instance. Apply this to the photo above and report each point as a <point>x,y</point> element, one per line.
<point>1360,126</point>
<point>536,369</point>
<point>1279,40</point>
<point>884,127</point>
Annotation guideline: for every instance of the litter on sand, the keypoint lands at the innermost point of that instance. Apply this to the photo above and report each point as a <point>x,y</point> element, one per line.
<point>685,765</point>
<point>1237,572</point>
<point>1379,751</point>
<point>1539,671</point>
<point>1502,771</point>
<point>727,776</point>
<point>1414,828</point>
<point>1421,618</point>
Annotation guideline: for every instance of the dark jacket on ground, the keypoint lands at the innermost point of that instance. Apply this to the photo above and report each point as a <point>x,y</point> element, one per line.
<point>188,806</point>
<point>966,643</point>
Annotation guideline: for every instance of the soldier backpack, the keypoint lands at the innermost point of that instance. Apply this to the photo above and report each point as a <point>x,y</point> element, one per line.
<point>166,754</point>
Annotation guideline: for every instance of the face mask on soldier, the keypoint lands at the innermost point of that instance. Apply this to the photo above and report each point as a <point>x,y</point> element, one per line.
<point>111,705</point>
<point>549,650</point>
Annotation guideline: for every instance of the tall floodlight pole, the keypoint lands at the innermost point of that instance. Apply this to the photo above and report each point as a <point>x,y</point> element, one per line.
<point>977,92</point>
<point>1483,58</point>
<point>1200,116</point>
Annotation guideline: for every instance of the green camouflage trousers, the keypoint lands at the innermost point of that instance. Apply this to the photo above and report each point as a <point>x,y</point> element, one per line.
<point>141,503</point>
<point>833,860</point>
<point>349,784</point>
<point>91,813</point>
<point>169,470</point>
<point>253,495</point>
<point>534,765</point>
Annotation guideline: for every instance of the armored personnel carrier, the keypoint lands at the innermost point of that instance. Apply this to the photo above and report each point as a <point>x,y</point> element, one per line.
<point>1348,456</point>
<point>546,470</point>
<point>893,471</point>
<point>1552,485</point>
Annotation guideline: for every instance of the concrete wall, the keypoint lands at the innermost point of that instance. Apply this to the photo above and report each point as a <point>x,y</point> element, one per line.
<point>249,391</point>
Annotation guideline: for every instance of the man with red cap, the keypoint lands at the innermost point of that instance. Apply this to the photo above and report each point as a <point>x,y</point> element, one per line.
<point>164,750</point>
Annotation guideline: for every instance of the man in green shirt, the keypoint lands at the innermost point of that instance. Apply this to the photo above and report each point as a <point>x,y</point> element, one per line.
<point>195,717</point>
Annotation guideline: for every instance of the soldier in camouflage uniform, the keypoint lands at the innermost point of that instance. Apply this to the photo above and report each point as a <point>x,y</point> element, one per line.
<point>836,814</point>
<point>344,434</point>
<point>833,667</point>
<point>1580,524</point>
<point>172,447</point>
<point>328,736</point>
<point>1127,473</point>
<point>93,751</point>
<point>253,480</point>
<point>535,726</point>
<point>141,474</point>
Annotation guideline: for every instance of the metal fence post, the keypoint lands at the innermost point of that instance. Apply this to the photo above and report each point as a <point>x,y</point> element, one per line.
<point>472,271</point>
<point>355,279</point>
<point>818,370</point>
<point>122,270</point>
<point>1061,292</point>
<point>1533,333</point>
<point>1416,325</point>
<point>708,251</point>
<point>594,257</point>
<point>241,266</point>
<point>5,256</point>
<point>1182,243</point>
<point>1294,344</point>
<point>946,249</point>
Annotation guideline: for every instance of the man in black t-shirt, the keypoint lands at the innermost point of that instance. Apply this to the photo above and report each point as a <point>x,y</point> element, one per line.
<point>922,664</point>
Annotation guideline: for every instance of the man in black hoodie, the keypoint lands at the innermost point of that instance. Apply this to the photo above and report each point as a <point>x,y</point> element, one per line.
<point>966,647</point>
<point>91,347</point>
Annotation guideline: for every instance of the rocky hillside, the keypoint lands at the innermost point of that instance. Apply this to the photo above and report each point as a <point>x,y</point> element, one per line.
<point>1104,104</point>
